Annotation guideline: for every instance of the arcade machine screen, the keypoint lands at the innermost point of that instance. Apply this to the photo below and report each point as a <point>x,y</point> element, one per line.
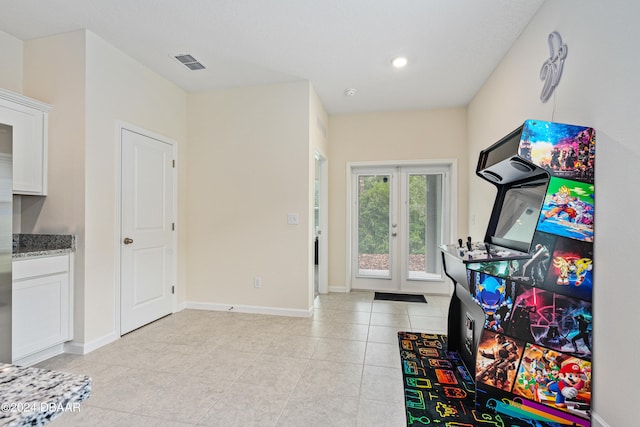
<point>518,217</point>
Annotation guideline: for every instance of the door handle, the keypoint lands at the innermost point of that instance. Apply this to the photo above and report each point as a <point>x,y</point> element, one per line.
<point>394,234</point>
<point>127,241</point>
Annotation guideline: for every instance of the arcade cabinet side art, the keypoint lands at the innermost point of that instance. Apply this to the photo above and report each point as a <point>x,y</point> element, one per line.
<point>534,362</point>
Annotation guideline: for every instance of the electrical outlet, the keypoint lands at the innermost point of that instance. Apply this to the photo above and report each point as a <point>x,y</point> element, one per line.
<point>257,282</point>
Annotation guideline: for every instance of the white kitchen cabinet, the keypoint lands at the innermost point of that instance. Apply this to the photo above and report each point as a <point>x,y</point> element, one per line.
<point>42,306</point>
<point>27,119</point>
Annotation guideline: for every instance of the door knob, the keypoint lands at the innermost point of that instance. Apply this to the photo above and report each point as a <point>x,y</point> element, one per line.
<point>128,241</point>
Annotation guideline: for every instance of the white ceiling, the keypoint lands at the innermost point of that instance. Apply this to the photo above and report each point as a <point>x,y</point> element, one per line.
<point>452,45</point>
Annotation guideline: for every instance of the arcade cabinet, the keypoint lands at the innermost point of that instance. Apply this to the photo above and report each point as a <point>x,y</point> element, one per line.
<point>521,312</point>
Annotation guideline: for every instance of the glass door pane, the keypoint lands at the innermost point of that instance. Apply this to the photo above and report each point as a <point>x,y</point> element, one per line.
<point>424,221</point>
<point>374,215</point>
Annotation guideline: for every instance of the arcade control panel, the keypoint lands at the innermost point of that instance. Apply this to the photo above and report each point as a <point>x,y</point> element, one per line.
<point>470,251</point>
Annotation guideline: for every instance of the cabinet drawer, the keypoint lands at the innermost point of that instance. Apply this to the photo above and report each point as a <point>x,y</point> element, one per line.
<point>40,266</point>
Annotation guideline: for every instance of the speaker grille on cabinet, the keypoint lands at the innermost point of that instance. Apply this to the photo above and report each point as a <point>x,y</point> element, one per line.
<point>520,165</point>
<point>492,176</point>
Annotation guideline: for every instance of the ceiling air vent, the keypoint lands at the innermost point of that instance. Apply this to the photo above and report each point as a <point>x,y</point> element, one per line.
<point>189,61</point>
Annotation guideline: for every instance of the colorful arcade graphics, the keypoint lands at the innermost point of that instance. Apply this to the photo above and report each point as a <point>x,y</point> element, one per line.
<point>568,210</point>
<point>528,412</point>
<point>544,373</point>
<point>527,382</point>
<point>497,361</point>
<point>565,151</point>
<point>571,269</point>
<point>495,298</point>
<point>545,342</point>
<point>553,320</point>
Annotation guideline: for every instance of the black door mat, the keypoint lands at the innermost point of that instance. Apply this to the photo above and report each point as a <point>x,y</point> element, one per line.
<point>385,296</point>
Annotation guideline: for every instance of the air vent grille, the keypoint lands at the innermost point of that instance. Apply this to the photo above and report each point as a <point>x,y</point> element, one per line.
<point>189,61</point>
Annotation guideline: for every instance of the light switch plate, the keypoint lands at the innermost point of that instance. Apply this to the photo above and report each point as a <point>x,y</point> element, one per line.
<point>292,219</point>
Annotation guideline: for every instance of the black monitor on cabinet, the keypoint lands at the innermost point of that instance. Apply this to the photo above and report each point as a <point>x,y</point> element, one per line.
<point>521,189</point>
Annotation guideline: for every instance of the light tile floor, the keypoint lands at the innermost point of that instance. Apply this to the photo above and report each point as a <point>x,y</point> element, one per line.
<point>204,368</point>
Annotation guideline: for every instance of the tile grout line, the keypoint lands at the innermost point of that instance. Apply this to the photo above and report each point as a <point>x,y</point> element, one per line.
<point>364,360</point>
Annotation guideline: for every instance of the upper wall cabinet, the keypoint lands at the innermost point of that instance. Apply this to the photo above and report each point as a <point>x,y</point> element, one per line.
<point>23,133</point>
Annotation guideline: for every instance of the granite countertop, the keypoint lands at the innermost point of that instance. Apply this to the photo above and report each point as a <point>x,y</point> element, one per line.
<point>30,245</point>
<point>33,397</point>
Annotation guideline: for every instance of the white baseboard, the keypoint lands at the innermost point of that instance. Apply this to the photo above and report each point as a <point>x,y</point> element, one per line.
<point>597,421</point>
<point>40,356</point>
<point>338,289</point>
<point>75,347</point>
<point>248,309</point>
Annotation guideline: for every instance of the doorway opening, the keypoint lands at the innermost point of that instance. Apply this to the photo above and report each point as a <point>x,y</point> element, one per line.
<point>320,226</point>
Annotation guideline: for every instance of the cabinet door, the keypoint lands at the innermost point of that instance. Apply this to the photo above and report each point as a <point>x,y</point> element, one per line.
<point>40,313</point>
<point>27,126</point>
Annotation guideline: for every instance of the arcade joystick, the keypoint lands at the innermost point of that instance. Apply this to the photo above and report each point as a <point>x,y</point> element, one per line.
<point>459,243</point>
<point>469,242</point>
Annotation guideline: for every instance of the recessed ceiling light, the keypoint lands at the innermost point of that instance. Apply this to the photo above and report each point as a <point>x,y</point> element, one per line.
<point>350,92</point>
<point>399,61</point>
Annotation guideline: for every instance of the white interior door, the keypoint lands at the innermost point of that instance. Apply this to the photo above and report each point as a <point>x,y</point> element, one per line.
<point>147,256</point>
<point>398,224</point>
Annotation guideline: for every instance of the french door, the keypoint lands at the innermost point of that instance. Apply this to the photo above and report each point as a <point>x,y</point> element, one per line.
<point>398,223</point>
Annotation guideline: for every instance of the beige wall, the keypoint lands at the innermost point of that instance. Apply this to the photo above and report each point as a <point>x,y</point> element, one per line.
<point>318,124</point>
<point>11,79</point>
<point>248,167</point>
<point>412,135</point>
<point>91,86</point>
<point>599,88</point>
<point>55,73</point>
<point>11,64</point>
